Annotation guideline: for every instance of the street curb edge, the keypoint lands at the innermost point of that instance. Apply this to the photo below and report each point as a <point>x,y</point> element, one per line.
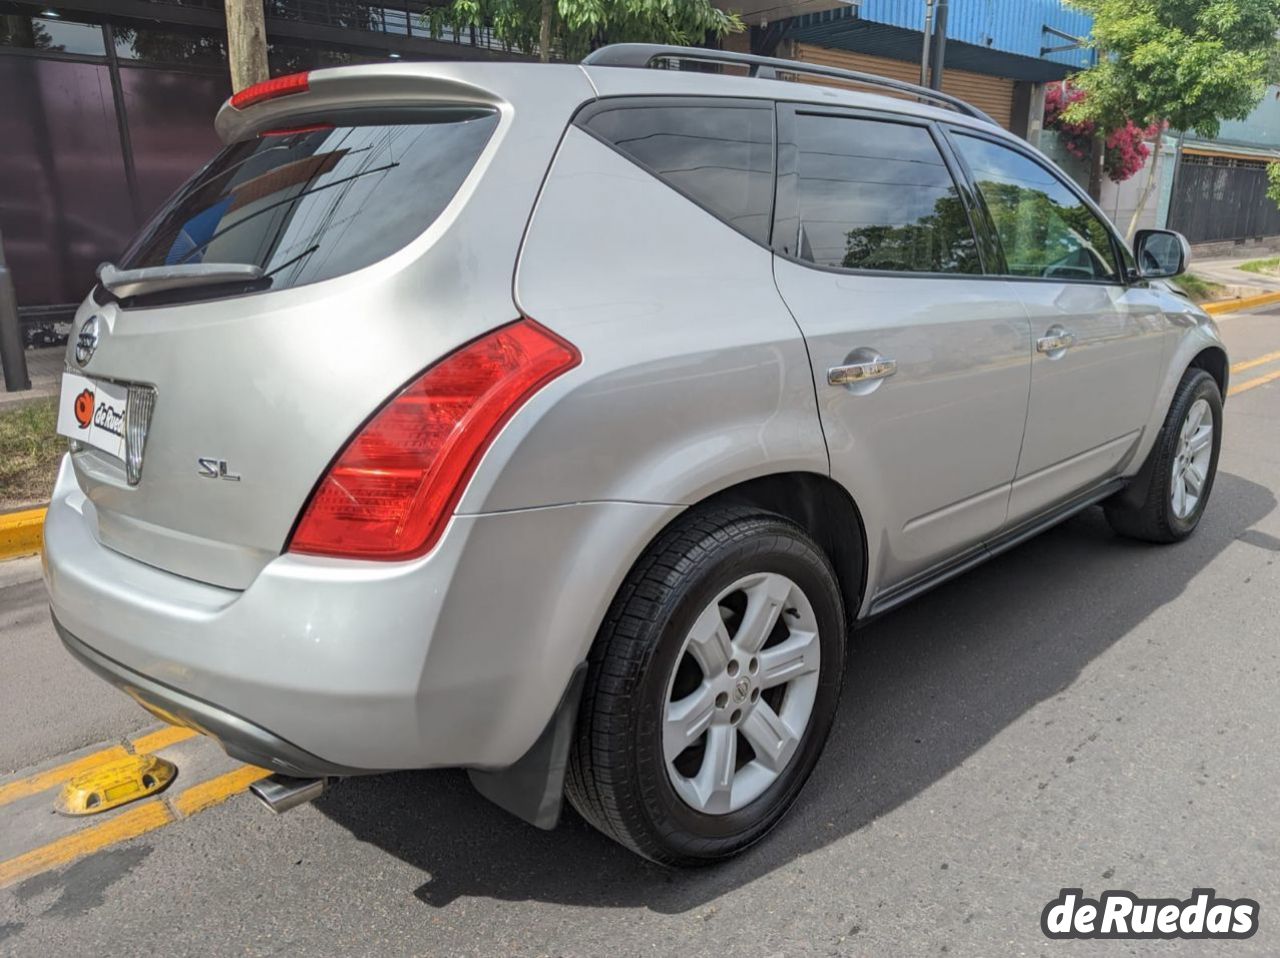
<point>21,533</point>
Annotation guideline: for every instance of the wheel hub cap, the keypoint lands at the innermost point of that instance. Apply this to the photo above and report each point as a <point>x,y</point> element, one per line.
<point>742,693</point>
<point>1191,461</point>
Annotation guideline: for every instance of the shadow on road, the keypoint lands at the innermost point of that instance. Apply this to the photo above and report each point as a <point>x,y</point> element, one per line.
<point>928,686</point>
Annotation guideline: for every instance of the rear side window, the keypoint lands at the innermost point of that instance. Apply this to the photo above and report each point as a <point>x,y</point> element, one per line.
<point>719,155</point>
<point>873,194</point>
<point>319,202</point>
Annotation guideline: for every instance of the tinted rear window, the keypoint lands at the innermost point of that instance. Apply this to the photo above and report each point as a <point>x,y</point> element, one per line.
<point>721,156</point>
<point>317,203</point>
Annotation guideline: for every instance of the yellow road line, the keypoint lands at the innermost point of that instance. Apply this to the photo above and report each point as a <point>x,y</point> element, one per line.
<point>162,738</point>
<point>217,790</point>
<point>1253,383</point>
<point>56,776</point>
<point>21,533</point>
<point>128,824</point>
<point>151,742</point>
<point>1251,363</point>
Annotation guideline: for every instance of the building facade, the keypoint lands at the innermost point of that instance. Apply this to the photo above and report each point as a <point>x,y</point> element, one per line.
<point>999,55</point>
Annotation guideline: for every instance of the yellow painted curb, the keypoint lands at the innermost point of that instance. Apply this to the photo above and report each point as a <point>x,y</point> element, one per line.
<point>21,533</point>
<point>1233,305</point>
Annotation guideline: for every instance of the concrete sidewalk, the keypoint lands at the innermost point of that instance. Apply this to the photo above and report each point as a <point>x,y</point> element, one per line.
<point>44,367</point>
<point>1239,283</point>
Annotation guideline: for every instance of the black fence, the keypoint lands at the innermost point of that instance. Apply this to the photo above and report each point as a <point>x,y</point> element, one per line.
<point>1222,198</point>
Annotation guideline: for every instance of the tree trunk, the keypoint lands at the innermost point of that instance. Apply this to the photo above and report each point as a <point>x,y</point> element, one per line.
<point>1096,156</point>
<point>1146,190</point>
<point>246,43</point>
<point>544,31</point>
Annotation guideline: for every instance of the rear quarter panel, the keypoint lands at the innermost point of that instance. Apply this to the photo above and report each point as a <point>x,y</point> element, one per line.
<point>694,374</point>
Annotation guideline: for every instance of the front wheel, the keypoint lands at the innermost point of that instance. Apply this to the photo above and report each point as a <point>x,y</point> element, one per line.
<point>1184,462</point>
<point>711,688</point>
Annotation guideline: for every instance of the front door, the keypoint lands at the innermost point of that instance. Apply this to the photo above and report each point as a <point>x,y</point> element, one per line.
<point>920,362</point>
<point>1098,343</point>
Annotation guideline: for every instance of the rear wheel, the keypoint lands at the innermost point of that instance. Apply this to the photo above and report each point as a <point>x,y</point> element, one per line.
<point>1182,469</point>
<point>711,688</point>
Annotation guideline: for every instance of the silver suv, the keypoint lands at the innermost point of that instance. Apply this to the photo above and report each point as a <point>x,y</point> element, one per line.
<point>560,422</point>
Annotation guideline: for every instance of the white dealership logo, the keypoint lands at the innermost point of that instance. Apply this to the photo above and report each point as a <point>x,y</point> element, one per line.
<point>1121,914</point>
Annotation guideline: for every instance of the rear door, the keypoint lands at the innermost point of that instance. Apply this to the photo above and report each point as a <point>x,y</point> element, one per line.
<point>921,362</point>
<point>1098,342</point>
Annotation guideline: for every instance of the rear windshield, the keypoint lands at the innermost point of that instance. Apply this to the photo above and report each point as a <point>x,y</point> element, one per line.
<point>316,202</point>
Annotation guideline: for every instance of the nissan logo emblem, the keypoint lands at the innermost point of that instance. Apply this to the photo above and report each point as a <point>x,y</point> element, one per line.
<point>87,341</point>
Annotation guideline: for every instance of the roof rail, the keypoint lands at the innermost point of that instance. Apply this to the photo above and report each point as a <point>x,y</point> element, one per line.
<point>767,68</point>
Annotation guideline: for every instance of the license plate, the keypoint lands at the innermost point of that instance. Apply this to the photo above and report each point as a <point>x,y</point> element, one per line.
<point>93,412</point>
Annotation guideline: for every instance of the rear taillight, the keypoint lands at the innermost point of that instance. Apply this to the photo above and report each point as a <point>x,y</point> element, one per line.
<point>270,89</point>
<point>393,488</point>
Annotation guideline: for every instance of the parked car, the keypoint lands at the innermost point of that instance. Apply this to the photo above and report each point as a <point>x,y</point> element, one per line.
<point>559,422</point>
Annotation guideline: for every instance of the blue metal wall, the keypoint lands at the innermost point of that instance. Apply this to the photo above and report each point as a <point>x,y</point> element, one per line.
<point>1012,26</point>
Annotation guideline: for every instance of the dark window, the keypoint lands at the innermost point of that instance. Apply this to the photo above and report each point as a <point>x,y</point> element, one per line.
<point>877,195</point>
<point>720,156</point>
<point>1045,228</point>
<point>313,205</point>
<point>45,28</point>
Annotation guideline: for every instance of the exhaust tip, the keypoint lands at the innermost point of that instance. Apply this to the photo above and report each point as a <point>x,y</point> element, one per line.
<point>283,792</point>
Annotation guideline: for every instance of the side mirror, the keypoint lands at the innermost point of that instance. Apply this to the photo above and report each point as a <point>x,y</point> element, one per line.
<point>1161,254</point>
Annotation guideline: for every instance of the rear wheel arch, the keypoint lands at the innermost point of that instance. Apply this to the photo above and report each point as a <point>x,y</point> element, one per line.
<point>820,506</point>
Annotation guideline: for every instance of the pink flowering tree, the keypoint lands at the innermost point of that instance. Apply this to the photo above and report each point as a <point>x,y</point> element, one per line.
<point>1190,63</point>
<point>1125,149</point>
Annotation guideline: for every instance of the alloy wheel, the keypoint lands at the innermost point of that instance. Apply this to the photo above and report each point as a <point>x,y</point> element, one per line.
<point>1192,459</point>
<point>742,693</point>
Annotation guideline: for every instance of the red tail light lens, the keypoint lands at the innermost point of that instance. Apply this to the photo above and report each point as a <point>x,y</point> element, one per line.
<point>270,89</point>
<point>393,488</point>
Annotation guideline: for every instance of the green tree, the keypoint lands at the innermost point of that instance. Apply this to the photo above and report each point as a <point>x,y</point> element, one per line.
<point>572,28</point>
<point>1188,63</point>
<point>1273,183</point>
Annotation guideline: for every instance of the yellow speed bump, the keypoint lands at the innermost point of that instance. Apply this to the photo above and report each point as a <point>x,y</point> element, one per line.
<point>114,784</point>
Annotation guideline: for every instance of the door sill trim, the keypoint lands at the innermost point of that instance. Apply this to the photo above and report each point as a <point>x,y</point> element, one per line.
<point>904,592</point>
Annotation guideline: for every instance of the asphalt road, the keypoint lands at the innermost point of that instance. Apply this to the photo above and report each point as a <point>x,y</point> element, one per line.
<point>1082,712</point>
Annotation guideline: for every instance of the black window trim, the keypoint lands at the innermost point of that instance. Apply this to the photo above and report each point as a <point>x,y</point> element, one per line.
<point>789,109</point>
<point>1122,277</point>
<point>628,101</point>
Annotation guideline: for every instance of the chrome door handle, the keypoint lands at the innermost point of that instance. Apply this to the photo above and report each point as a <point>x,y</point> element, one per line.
<point>1055,342</point>
<point>855,373</point>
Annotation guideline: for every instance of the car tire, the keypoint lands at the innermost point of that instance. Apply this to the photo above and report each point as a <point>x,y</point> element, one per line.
<point>1184,459</point>
<point>688,645</point>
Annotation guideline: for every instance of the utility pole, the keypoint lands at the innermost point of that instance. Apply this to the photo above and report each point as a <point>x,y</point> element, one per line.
<point>928,35</point>
<point>13,356</point>
<point>939,44</point>
<point>246,43</point>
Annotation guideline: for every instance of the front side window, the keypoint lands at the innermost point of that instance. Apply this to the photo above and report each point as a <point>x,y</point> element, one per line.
<point>873,194</point>
<point>1046,230</point>
<point>720,156</point>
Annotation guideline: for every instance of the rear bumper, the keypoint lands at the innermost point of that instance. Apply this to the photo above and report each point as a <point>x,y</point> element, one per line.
<point>326,666</point>
<point>240,738</point>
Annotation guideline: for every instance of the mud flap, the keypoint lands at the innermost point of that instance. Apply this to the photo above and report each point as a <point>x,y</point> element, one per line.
<point>533,788</point>
<point>1135,493</point>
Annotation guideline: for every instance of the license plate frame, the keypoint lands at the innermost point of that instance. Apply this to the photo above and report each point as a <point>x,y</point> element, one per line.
<point>94,412</point>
